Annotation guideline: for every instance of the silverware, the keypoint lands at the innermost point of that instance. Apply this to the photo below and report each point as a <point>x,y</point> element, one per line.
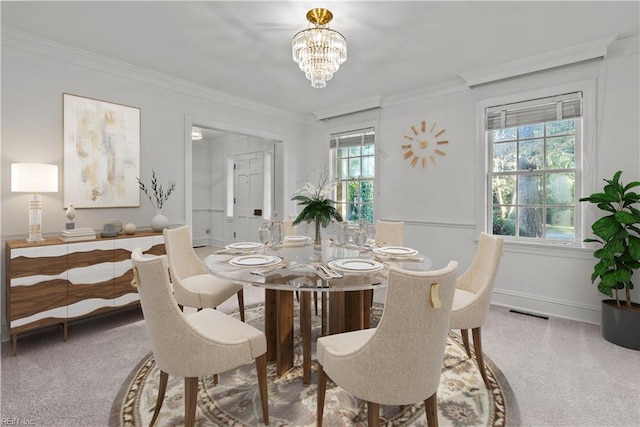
<point>282,266</point>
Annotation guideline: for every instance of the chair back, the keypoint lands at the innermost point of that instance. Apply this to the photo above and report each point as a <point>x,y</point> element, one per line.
<point>480,276</point>
<point>165,322</point>
<point>289,228</point>
<point>183,260</point>
<point>403,358</point>
<point>390,233</point>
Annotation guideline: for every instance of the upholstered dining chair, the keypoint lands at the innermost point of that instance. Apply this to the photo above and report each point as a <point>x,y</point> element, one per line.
<point>390,233</point>
<point>203,343</point>
<point>399,362</point>
<point>192,285</point>
<point>289,228</point>
<point>473,295</point>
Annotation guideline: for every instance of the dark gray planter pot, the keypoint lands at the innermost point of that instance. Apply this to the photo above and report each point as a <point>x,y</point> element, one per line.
<point>620,326</point>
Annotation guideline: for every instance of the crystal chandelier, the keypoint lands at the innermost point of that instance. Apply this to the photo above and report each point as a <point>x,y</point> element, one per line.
<point>318,50</point>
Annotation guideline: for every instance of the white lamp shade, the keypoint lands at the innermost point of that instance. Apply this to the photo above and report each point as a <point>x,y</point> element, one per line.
<point>34,178</point>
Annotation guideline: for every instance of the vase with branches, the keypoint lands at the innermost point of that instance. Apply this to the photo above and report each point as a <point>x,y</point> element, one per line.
<point>158,196</point>
<point>318,206</point>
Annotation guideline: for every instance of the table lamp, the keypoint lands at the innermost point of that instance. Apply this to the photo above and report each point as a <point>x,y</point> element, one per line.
<point>34,178</point>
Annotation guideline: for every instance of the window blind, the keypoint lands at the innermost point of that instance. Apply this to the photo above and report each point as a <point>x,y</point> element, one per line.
<point>353,138</point>
<point>553,108</point>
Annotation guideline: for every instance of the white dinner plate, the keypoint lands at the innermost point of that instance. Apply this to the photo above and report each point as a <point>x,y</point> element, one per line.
<point>395,251</point>
<point>255,260</point>
<point>297,239</point>
<point>355,265</point>
<point>244,246</point>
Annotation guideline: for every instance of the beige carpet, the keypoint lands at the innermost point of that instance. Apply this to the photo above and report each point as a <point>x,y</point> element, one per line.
<point>463,399</point>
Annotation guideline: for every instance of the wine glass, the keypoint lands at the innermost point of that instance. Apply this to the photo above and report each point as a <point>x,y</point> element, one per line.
<point>342,235</point>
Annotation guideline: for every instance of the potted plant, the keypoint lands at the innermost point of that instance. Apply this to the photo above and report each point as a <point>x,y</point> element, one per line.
<point>318,207</point>
<point>618,233</point>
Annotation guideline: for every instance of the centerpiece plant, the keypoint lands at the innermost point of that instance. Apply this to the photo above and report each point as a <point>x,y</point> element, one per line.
<point>618,234</point>
<point>318,207</point>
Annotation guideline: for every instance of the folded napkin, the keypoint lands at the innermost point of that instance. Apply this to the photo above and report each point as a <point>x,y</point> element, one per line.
<point>384,257</point>
<point>281,266</point>
<point>324,272</point>
<point>236,251</point>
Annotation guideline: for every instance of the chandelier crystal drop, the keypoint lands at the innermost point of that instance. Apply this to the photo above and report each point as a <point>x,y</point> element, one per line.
<point>319,50</point>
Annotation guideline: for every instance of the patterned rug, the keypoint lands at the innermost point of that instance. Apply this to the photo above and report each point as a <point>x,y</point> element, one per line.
<point>463,399</point>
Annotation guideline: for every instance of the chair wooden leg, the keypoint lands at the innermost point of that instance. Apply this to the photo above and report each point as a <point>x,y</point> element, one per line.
<point>261,369</point>
<point>162,389</point>
<point>181,307</point>
<point>373,414</point>
<point>216,378</point>
<point>477,347</point>
<point>464,333</point>
<point>322,387</point>
<point>190,400</point>
<point>241,303</point>
<point>431,410</point>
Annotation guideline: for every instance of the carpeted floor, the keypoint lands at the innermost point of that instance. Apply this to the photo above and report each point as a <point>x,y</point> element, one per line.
<point>463,399</point>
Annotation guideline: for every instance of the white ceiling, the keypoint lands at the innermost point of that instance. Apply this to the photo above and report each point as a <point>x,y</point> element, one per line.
<point>244,48</point>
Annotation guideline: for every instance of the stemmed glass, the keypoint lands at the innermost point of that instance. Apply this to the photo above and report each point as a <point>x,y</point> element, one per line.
<point>342,235</point>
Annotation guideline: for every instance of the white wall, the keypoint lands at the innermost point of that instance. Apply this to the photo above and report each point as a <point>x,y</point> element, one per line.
<point>36,73</point>
<point>439,203</point>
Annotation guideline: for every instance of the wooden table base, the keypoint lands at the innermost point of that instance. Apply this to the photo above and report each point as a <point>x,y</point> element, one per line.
<point>348,311</point>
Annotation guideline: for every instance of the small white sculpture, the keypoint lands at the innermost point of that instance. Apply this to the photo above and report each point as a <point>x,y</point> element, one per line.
<point>70,214</point>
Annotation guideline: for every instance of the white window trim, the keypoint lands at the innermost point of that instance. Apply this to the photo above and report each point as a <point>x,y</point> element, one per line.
<point>585,170</point>
<point>346,126</point>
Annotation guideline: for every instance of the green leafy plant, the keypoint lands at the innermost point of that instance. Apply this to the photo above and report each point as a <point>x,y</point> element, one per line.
<point>619,234</point>
<point>318,206</point>
<point>158,195</point>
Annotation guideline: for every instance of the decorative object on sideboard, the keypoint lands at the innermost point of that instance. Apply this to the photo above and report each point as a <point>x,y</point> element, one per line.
<point>157,196</point>
<point>77,234</point>
<point>319,51</point>
<point>71,215</point>
<point>101,152</point>
<point>130,228</point>
<point>34,178</point>
<point>618,233</point>
<point>111,228</point>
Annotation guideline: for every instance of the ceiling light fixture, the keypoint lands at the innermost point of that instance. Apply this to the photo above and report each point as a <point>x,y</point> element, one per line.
<point>318,50</point>
<point>196,134</point>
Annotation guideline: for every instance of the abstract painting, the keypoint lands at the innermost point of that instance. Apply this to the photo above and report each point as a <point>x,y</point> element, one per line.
<point>101,153</point>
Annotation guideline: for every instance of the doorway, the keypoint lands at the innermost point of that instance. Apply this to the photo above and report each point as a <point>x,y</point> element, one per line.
<point>232,186</point>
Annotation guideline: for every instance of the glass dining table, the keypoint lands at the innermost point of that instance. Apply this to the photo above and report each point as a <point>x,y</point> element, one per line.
<point>344,277</point>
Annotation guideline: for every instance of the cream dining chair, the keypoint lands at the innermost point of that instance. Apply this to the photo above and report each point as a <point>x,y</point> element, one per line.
<point>473,295</point>
<point>390,233</point>
<point>203,343</point>
<point>192,285</point>
<point>399,362</point>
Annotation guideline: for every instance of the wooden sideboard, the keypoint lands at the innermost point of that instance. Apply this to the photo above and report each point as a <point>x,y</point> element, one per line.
<point>52,282</point>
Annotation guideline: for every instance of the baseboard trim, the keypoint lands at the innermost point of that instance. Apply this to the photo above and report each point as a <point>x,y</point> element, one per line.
<point>547,307</point>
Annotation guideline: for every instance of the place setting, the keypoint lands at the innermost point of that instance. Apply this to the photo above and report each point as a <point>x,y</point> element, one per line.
<point>241,248</point>
<point>397,253</point>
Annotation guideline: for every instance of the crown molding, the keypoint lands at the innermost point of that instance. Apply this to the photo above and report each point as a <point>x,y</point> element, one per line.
<point>64,53</point>
<point>357,106</point>
<point>555,58</point>
<point>446,87</point>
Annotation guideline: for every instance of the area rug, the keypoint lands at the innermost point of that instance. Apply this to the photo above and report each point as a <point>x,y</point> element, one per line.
<point>463,399</point>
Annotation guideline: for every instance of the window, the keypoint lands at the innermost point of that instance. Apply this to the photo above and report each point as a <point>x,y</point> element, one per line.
<point>534,167</point>
<point>353,170</point>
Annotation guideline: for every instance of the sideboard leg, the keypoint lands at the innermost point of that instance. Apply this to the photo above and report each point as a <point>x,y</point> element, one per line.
<point>65,330</point>
<point>14,344</point>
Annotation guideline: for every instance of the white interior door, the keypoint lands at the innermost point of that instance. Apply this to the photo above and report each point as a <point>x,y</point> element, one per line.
<point>248,195</point>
